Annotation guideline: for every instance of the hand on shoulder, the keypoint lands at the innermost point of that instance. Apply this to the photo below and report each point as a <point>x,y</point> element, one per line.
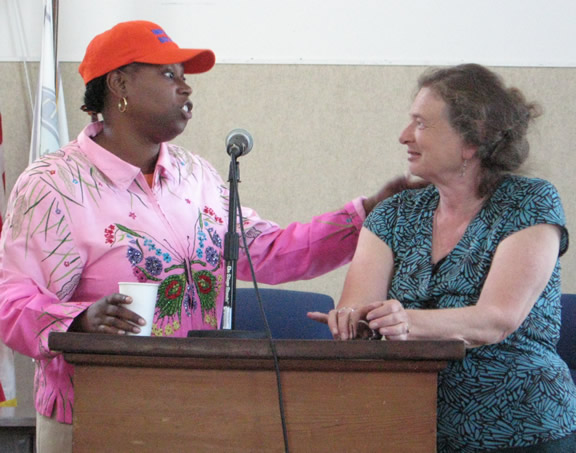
<point>392,187</point>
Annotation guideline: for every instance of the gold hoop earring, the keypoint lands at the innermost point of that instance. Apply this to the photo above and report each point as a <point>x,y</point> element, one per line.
<point>463,168</point>
<point>122,105</point>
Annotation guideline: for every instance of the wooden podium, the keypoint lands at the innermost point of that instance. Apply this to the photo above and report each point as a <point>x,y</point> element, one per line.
<point>152,394</point>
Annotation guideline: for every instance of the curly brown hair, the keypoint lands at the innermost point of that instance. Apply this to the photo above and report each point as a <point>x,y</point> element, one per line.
<point>487,114</point>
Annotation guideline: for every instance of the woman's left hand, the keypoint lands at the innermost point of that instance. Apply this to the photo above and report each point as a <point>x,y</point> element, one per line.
<point>390,319</point>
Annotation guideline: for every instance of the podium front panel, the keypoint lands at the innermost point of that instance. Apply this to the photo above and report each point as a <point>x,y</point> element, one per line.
<point>337,397</point>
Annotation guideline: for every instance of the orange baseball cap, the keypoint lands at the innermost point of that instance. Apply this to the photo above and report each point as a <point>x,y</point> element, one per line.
<point>139,41</point>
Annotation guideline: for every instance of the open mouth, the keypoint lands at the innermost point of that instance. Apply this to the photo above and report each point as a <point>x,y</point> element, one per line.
<point>187,108</point>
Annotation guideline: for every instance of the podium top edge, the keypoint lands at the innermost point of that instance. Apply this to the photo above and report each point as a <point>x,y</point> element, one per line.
<point>84,343</point>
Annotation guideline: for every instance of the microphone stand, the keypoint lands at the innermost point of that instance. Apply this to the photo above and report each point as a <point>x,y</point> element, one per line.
<point>231,252</point>
<point>231,243</point>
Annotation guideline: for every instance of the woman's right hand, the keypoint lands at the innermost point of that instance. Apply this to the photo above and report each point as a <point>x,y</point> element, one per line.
<point>344,322</point>
<point>108,315</point>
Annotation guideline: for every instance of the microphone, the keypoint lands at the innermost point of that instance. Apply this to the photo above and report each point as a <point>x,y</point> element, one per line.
<point>239,143</point>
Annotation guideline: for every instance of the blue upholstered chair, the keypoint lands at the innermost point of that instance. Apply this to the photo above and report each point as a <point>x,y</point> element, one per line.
<point>285,311</point>
<point>567,344</point>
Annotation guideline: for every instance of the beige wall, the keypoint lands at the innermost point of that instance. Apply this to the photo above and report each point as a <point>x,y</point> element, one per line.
<point>323,134</point>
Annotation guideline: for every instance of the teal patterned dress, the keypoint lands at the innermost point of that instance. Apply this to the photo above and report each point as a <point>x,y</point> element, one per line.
<point>515,393</point>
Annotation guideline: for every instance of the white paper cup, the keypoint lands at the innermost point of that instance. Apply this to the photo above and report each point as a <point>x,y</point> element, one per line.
<point>143,302</point>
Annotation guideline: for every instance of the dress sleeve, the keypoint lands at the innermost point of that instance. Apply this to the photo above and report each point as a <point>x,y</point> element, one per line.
<point>537,202</point>
<point>384,218</point>
<point>302,250</point>
<point>39,267</point>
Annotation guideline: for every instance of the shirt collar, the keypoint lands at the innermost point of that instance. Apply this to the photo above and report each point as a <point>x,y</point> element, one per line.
<point>121,173</point>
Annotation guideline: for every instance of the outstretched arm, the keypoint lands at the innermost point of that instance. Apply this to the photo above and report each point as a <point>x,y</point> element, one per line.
<point>367,281</point>
<point>521,268</point>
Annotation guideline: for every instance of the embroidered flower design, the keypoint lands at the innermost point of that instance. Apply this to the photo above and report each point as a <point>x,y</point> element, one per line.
<point>211,321</point>
<point>109,234</point>
<point>153,265</point>
<point>212,256</point>
<point>132,215</point>
<point>156,331</point>
<point>209,211</point>
<point>139,274</point>
<point>171,294</point>
<point>215,237</point>
<point>148,243</point>
<point>134,255</point>
<point>173,289</point>
<point>205,282</point>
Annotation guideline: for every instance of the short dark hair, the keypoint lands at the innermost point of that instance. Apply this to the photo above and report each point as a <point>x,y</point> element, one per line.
<point>487,114</point>
<point>97,90</point>
<point>95,94</point>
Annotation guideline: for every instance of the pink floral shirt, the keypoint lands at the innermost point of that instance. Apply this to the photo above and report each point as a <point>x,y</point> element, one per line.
<point>80,220</point>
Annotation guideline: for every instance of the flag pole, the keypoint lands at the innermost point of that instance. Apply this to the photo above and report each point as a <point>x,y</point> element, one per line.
<point>55,42</point>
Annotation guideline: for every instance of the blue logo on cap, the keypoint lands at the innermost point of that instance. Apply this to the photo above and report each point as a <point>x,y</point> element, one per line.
<point>161,35</point>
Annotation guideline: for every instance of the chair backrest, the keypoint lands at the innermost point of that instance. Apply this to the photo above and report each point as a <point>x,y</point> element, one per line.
<point>285,311</point>
<point>567,343</point>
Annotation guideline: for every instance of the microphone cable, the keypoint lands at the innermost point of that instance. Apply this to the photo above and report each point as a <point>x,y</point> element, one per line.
<point>266,325</point>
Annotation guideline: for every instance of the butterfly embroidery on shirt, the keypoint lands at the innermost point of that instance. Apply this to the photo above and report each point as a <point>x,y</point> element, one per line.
<point>184,281</point>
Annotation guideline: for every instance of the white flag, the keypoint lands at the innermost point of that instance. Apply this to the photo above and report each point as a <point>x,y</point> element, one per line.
<point>7,374</point>
<point>7,378</point>
<point>50,129</point>
<point>2,178</point>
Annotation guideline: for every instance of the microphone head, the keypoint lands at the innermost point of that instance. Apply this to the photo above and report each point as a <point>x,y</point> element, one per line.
<point>239,142</point>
